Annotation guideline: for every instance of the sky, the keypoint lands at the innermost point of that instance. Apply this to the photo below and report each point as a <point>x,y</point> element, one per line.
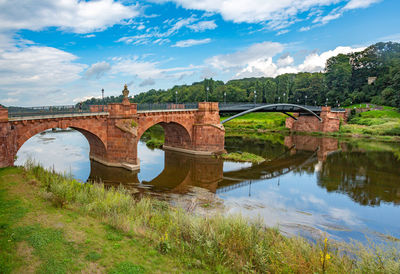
<point>65,51</point>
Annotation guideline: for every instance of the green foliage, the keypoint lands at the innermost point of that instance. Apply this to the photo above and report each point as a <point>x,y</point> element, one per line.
<point>257,121</point>
<point>243,157</point>
<point>155,143</point>
<point>93,256</point>
<point>216,243</point>
<point>50,246</point>
<point>127,268</point>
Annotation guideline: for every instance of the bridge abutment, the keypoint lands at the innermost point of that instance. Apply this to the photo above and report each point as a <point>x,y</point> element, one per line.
<point>331,121</point>
<point>7,154</point>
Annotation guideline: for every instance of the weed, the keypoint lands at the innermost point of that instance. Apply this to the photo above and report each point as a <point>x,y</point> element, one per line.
<point>214,243</point>
<point>93,256</point>
<point>127,268</point>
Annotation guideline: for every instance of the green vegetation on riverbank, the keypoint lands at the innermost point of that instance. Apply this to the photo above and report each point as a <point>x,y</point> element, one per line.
<point>154,137</point>
<point>53,224</point>
<point>379,124</point>
<point>258,121</point>
<point>373,123</point>
<point>242,157</point>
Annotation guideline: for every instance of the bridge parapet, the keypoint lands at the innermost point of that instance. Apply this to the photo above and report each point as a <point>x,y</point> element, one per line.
<point>3,114</point>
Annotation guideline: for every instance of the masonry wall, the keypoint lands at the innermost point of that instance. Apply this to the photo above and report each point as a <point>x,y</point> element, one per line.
<point>113,137</point>
<point>208,132</point>
<point>331,121</point>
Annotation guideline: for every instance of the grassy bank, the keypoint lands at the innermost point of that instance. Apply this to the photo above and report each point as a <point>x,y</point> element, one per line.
<point>53,224</point>
<point>382,125</point>
<point>257,121</point>
<point>242,157</point>
<point>374,123</point>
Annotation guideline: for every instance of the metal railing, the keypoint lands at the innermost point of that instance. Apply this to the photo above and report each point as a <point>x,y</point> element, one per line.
<point>166,106</point>
<point>15,112</point>
<point>247,105</point>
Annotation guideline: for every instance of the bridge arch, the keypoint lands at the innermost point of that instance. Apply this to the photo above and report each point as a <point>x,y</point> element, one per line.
<point>177,133</point>
<point>302,108</point>
<point>97,142</point>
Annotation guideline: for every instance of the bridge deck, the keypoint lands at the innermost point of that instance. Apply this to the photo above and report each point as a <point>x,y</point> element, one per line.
<point>55,116</point>
<point>167,110</point>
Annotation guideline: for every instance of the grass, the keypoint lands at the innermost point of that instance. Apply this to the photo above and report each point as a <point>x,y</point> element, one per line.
<point>242,157</point>
<point>85,227</point>
<point>374,123</point>
<point>257,121</point>
<point>378,124</point>
<point>37,235</point>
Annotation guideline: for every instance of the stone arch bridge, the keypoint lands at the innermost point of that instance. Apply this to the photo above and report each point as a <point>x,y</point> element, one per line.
<point>113,131</point>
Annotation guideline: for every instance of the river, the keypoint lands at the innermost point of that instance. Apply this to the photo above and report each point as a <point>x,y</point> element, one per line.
<point>308,186</point>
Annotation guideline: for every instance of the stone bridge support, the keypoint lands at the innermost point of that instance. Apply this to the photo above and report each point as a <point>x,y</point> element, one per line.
<point>6,140</point>
<point>113,135</point>
<point>331,121</point>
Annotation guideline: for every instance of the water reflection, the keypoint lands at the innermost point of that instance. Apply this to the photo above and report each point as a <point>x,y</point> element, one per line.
<point>181,171</point>
<point>307,185</point>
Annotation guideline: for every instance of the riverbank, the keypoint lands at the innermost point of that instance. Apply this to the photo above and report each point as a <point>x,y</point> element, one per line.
<point>53,224</point>
<point>381,125</point>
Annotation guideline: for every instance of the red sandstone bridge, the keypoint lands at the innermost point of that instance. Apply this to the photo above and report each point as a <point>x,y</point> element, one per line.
<point>113,131</point>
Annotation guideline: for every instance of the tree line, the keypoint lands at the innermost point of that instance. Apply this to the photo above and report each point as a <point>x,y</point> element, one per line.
<point>372,75</point>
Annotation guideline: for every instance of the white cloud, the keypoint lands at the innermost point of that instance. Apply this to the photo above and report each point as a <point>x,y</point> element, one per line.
<point>191,42</point>
<point>203,25</point>
<point>284,61</point>
<point>282,32</point>
<point>257,61</point>
<point>84,98</point>
<point>171,27</point>
<point>31,73</point>
<point>239,59</point>
<point>357,4</point>
<point>136,39</point>
<point>144,70</point>
<point>338,12</point>
<point>97,70</point>
<point>304,29</point>
<point>73,15</point>
<point>278,14</point>
<point>38,66</point>
<point>315,62</point>
<point>141,26</point>
<point>147,82</point>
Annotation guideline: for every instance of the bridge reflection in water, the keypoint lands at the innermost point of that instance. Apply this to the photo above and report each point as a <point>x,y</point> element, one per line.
<point>181,171</point>
<point>340,168</point>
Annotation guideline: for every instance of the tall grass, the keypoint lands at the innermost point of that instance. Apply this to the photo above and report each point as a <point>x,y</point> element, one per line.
<point>217,243</point>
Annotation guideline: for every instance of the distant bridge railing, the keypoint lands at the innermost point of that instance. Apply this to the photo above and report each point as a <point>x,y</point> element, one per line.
<point>165,106</point>
<point>15,112</point>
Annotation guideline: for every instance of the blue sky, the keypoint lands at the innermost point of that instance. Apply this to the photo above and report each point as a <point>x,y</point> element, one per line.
<point>61,52</point>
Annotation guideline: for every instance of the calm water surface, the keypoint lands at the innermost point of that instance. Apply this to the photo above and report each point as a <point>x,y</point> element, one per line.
<point>308,186</point>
